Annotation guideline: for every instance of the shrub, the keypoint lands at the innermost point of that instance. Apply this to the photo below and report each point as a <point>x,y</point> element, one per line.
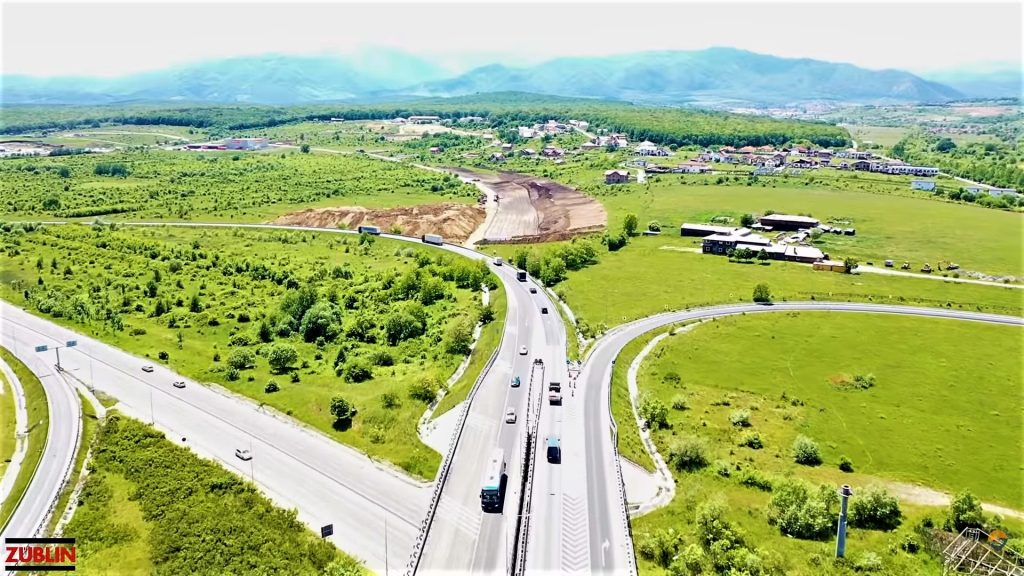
<point>868,562</point>
<point>964,512</point>
<point>341,409</point>
<point>755,479</point>
<point>382,358</point>
<point>425,390</point>
<point>271,387</point>
<point>800,511</point>
<point>232,374</point>
<point>390,400</point>
<point>654,226</point>
<point>241,359</point>
<point>762,294</point>
<point>909,545</point>
<point>751,439</point>
<point>723,468</point>
<point>281,357</point>
<point>356,371</point>
<point>740,418</point>
<point>672,378</point>
<point>875,509</point>
<point>805,451</point>
<point>661,546</point>
<point>679,403</point>
<point>845,464</point>
<point>243,317</point>
<point>163,356</point>
<point>654,412</point>
<point>689,561</point>
<point>688,454</point>
<point>713,527</point>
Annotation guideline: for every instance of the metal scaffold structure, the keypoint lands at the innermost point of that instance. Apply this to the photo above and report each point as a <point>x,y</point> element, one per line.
<point>975,551</point>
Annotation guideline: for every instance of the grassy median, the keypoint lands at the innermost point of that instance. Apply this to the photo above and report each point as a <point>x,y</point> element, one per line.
<point>38,426</point>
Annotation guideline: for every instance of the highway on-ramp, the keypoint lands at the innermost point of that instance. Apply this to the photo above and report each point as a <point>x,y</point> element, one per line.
<point>604,530</point>
<point>64,429</point>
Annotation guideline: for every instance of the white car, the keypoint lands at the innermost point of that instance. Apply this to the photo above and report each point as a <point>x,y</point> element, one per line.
<point>147,368</point>
<point>522,350</point>
<point>243,454</point>
<point>179,384</point>
<point>510,416</point>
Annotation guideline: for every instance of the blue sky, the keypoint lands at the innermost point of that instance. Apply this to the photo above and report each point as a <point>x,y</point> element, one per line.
<point>80,38</point>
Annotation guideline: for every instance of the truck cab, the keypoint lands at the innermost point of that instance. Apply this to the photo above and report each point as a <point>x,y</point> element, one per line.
<point>554,386</point>
<point>521,275</point>
<point>554,450</point>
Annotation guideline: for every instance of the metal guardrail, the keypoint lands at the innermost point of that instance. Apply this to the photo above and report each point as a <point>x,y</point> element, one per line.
<point>526,495</point>
<point>630,551</point>
<point>421,538</point>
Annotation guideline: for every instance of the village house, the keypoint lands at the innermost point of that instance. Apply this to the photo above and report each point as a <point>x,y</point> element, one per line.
<point>616,177</point>
<point>648,148</point>
<point>588,146</point>
<point>764,170</point>
<point>527,153</point>
<point>552,152</point>
<point>802,163</point>
<point>527,133</point>
<point>399,120</point>
<point>435,150</point>
<point>922,185</point>
<point>507,147</point>
<point>497,157</point>
<point>861,165</point>
<point>1002,191</point>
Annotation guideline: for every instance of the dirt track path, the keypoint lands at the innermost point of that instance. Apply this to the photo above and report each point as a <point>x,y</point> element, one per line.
<point>929,497</point>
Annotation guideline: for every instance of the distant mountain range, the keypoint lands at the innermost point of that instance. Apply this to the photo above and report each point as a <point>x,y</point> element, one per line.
<point>716,76</point>
<point>997,80</point>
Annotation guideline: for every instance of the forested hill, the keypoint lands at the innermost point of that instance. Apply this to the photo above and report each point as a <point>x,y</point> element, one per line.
<point>663,125</point>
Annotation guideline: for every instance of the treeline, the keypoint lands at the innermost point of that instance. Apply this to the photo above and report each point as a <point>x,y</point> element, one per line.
<point>667,126</point>
<point>202,518</point>
<point>992,163</point>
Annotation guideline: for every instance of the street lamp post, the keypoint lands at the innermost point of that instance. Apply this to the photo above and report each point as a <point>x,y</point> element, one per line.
<point>845,492</point>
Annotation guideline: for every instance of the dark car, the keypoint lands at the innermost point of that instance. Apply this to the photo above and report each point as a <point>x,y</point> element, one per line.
<point>533,289</point>
<point>554,450</point>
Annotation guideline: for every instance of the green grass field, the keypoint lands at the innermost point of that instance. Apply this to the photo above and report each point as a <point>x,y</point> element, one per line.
<point>884,136</point>
<point>130,554</point>
<point>939,415</point>
<point>222,186</point>
<point>382,307</point>
<point>38,428</point>
<point>651,275</point>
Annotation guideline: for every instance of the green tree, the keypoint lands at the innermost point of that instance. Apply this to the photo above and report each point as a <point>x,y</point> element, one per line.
<point>945,145</point>
<point>342,409</point>
<point>762,255</point>
<point>265,332</point>
<point>51,203</point>
<point>630,224</point>
<point>459,337</point>
<point>747,220</point>
<point>194,304</point>
<point>875,509</point>
<point>519,258</point>
<point>357,371</point>
<point>304,148</point>
<point>654,226</point>
<point>806,452</point>
<point>552,271</point>
<point>401,326</point>
<point>322,320</point>
<point>964,512</point>
<point>849,265</point>
<point>240,359</point>
<point>281,357</point>
<point>654,413</point>
<point>762,294</point>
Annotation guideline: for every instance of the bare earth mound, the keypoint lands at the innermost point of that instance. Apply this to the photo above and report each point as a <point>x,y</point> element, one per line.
<point>454,222</point>
<point>533,209</point>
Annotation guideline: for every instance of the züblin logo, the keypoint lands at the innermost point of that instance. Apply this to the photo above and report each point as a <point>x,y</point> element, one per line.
<point>39,554</point>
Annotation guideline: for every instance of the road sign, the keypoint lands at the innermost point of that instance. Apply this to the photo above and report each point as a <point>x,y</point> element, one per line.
<point>72,343</point>
<point>327,530</point>
<point>42,348</point>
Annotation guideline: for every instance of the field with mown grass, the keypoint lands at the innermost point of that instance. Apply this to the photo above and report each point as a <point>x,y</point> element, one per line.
<point>291,319</point>
<point>213,186</point>
<point>655,274</point>
<point>150,507</point>
<point>935,413</point>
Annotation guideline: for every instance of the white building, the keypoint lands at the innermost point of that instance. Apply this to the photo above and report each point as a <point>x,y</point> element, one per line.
<point>525,132</point>
<point>922,185</point>
<point>245,143</point>
<point>648,148</point>
<point>913,170</point>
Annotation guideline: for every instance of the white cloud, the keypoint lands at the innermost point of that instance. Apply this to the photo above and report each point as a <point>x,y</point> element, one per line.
<point>111,39</point>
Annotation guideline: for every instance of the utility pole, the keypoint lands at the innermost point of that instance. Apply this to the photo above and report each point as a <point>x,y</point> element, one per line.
<point>152,415</point>
<point>252,467</point>
<point>845,492</point>
<point>386,563</point>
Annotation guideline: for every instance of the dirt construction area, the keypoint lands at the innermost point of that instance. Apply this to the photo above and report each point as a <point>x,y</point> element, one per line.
<point>533,209</point>
<point>453,222</point>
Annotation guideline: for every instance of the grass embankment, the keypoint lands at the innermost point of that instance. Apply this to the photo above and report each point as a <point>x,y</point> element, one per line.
<point>8,423</point>
<point>652,275</point>
<point>490,336</point>
<point>90,423</point>
<point>630,444</point>
<point>937,415</point>
<point>376,323</point>
<point>149,506</point>
<point>38,429</point>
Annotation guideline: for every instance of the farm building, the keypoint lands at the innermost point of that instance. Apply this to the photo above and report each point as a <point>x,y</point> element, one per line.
<point>803,254</point>
<point>861,165</point>
<point>424,119</point>
<point>788,221</point>
<point>722,243</point>
<point>245,143</point>
<point>922,185</point>
<point>830,266</point>
<point>703,230</point>
<point>1001,191</point>
<point>690,167</point>
<point>435,150</point>
<point>616,177</point>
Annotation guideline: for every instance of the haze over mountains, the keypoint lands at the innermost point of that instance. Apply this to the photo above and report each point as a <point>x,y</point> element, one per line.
<point>704,77</point>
